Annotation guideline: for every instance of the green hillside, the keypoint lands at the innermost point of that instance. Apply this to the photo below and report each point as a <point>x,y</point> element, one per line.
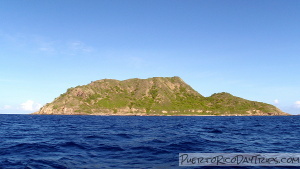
<point>153,96</point>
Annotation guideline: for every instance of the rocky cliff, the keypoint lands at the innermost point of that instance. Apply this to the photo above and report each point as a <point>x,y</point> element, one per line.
<point>153,96</point>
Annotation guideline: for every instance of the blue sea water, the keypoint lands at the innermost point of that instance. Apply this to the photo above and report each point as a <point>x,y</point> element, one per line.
<point>49,141</point>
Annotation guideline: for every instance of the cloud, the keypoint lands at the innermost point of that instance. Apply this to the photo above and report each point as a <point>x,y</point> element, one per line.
<point>46,46</point>
<point>37,43</point>
<point>60,47</point>
<point>76,47</point>
<point>46,49</point>
<point>6,107</point>
<point>297,104</point>
<point>292,108</point>
<point>276,101</point>
<point>30,105</point>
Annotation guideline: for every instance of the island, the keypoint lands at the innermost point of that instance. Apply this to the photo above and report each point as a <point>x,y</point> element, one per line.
<point>157,96</point>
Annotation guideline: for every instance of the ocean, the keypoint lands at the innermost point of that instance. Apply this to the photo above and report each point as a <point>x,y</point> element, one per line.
<point>71,142</point>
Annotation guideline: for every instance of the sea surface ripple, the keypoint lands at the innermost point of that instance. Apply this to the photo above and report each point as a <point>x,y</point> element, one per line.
<point>70,142</point>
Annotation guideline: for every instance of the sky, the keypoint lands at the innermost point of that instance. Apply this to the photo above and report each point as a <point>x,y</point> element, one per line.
<point>250,49</point>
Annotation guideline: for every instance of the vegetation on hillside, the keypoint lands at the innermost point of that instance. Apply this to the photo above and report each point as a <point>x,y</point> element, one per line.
<point>153,96</point>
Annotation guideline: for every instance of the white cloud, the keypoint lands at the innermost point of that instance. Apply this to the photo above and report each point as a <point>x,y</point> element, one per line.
<point>46,45</point>
<point>6,107</point>
<point>79,47</point>
<point>276,101</point>
<point>297,104</point>
<point>47,48</point>
<point>30,105</point>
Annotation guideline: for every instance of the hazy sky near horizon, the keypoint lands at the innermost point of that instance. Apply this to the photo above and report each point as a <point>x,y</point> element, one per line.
<point>249,48</point>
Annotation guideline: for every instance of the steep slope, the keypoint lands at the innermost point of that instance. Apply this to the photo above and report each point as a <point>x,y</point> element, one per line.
<point>153,96</point>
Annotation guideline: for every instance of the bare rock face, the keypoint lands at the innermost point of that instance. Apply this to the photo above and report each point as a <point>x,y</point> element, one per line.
<point>153,96</point>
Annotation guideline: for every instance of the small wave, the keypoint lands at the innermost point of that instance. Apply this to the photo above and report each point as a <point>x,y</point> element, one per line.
<point>107,148</point>
<point>24,147</point>
<point>233,150</point>
<point>158,141</point>
<point>144,148</point>
<point>257,125</point>
<point>45,164</point>
<point>185,145</point>
<point>155,141</point>
<point>150,149</point>
<point>94,137</point>
<point>14,164</point>
<point>122,135</point>
<point>71,144</point>
<point>217,131</point>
